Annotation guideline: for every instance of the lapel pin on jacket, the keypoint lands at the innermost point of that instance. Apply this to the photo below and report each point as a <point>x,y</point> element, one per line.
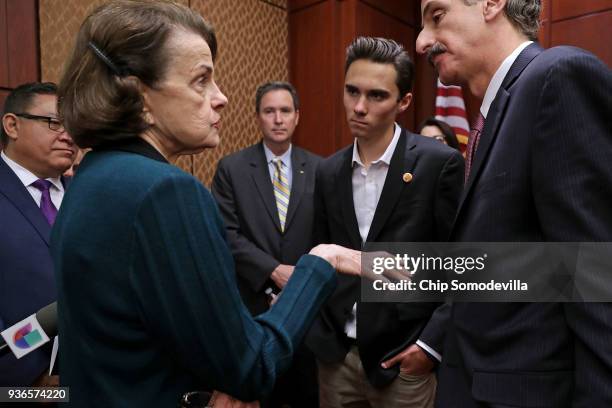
<point>407,177</point>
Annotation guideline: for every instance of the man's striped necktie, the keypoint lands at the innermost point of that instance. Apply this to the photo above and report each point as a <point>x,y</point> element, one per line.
<point>281,190</point>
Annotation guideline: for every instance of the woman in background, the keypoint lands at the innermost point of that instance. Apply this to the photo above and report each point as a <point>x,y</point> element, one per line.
<point>440,131</point>
<point>148,304</point>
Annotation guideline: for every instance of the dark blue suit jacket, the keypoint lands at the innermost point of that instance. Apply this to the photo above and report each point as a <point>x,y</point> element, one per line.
<point>27,282</point>
<point>245,195</point>
<point>541,173</point>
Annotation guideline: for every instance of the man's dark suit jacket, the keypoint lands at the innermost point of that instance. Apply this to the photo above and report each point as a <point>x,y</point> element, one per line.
<point>541,173</point>
<point>244,193</point>
<point>27,281</point>
<point>422,210</point>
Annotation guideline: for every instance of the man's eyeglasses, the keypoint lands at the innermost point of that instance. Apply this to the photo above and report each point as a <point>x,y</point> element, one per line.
<point>53,123</point>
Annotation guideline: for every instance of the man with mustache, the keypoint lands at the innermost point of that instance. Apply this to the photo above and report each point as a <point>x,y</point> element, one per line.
<point>265,194</point>
<point>36,151</point>
<point>537,161</point>
<point>390,185</point>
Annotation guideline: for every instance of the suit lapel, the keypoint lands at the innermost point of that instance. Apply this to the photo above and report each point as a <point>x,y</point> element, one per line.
<point>495,116</point>
<point>299,168</point>
<point>15,192</point>
<point>403,160</point>
<point>345,194</point>
<point>489,133</point>
<point>261,178</point>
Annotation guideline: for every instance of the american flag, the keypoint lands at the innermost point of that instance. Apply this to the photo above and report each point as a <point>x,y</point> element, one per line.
<point>450,108</point>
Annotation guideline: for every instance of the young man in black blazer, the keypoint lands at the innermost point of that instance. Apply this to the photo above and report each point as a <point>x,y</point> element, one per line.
<point>390,185</point>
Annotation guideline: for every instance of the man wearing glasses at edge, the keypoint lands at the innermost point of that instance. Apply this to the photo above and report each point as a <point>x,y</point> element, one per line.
<point>36,151</point>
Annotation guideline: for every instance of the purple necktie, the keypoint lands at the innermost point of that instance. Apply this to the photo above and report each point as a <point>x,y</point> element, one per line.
<point>46,205</point>
<point>473,144</point>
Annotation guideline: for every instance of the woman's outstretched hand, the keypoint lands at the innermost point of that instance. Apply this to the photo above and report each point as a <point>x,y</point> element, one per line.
<point>343,259</point>
<point>349,261</point>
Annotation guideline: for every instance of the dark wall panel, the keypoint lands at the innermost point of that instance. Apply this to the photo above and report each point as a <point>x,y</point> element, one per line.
<point>544,34</point>
<point>591,32</point>
<point>545,18</point>
<point>22,34</point>
<point>425,78</point>
<point>311,55</point>
<point>563,9</point>
<point>293,5</point>
<point>424,90</point>
<point>4,69</point>
<point>399,9</point>
<point>372,22</point>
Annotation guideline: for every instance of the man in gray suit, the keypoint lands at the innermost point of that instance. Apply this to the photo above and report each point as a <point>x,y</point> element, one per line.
<point>265,194</point>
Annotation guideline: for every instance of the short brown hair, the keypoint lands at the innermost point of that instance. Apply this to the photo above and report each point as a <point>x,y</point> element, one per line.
<point>275,86</point>
<point>383,51</point>
<point>98,101</point>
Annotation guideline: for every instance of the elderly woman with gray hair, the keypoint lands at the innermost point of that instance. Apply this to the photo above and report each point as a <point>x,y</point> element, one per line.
<point>148,304</point>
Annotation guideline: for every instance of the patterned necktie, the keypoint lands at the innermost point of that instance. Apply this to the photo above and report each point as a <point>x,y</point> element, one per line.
<point>46,205</point>
<point>281,190</point>
<point>473,144</point>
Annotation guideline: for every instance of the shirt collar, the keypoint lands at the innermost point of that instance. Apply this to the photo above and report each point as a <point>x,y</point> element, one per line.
<point>26,176</point>
<point>498,78</point>
<point>386,156</point>
<point>285,157</point>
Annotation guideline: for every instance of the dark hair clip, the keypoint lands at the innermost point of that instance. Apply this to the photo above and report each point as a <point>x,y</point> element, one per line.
<point>107,61</point>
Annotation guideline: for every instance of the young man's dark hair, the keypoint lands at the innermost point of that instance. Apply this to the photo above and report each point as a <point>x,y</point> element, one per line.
<point>20,98</point>
<point>274,86</point>
<point>384,51</point>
